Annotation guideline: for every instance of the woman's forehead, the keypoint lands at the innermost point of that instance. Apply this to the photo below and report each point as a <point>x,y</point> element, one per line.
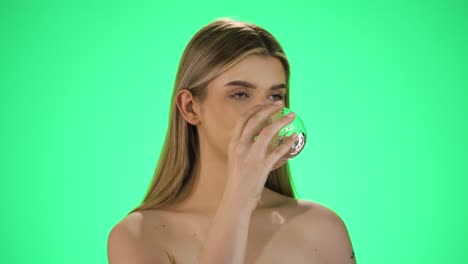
<point>260,71</point>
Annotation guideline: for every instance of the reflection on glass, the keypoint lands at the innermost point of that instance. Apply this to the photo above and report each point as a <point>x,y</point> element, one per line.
<point>295,126</point>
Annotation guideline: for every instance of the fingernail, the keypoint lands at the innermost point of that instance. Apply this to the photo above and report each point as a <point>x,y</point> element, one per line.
<point>290,115</point>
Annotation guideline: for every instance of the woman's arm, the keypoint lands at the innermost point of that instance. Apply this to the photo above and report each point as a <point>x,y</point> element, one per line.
<point>248,168</point>
<point>336,241</point>
<point>327,233</point>
<point>226,241</point>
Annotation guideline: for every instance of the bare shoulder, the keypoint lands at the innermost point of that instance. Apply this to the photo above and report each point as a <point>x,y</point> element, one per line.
<point>318,212</point>
<point>127,242</point>
<point>130,225</point>
<point>325,231</point>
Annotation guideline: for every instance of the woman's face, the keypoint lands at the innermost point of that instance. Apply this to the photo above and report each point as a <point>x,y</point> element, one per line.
<point>254,80</point>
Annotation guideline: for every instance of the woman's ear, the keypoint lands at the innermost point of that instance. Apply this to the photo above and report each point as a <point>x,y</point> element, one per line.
<point>187,106</point>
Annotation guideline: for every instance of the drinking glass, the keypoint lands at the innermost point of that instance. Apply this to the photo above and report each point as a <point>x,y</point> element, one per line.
<point>295,126</point>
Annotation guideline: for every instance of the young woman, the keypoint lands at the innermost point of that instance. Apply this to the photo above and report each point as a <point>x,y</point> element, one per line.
<point>217,195</point>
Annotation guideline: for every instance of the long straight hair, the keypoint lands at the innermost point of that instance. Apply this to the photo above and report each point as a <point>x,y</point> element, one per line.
<point>212,50</point>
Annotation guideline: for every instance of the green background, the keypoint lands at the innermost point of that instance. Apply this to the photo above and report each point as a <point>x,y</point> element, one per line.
<point>381,87</point>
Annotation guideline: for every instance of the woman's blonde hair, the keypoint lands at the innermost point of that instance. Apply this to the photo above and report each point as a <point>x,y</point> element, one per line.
<point>212,50</point>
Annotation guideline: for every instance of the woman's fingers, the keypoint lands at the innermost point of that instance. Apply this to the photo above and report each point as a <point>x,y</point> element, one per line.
<point>239,127</point>
<point>244,120</point>
<point>270,131</point>
<point>256,121</point>
<point>281,151</point>
<point>246,164</point>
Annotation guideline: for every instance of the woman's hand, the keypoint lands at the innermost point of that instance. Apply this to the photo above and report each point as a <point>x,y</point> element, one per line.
<point>248,161</point>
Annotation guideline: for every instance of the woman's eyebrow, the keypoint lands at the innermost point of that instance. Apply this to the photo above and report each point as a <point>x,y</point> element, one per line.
<point>249,85</point>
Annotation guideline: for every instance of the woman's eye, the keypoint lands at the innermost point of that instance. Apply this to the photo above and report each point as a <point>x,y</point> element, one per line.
<point>280,98</point>
<point>237,95</point>
<point>242,96</point>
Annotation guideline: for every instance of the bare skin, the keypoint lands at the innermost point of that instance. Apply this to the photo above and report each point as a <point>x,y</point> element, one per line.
<point>287,230</point>
<point>280,228</point>
<point>217,117</point>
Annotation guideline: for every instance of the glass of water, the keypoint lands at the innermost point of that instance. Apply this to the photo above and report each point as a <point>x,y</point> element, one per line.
<point>296,126</point>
